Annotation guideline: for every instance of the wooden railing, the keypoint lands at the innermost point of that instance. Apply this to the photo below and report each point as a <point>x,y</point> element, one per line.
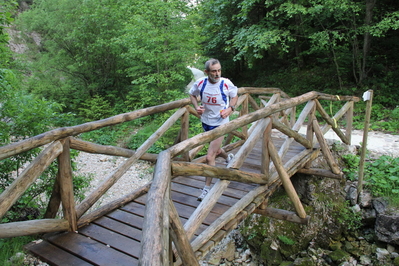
<point>254,123</point>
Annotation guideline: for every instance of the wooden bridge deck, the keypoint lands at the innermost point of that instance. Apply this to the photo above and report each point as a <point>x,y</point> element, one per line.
<point>114,239</point>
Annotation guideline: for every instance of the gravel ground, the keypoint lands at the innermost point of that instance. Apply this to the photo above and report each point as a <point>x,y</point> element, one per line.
<point>99,167</point>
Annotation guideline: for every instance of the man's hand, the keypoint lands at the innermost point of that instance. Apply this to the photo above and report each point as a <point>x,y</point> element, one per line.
<point>200,109</point>
<point>226,112</point>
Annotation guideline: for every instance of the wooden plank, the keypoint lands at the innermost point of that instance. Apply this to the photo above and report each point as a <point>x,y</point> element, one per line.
<point>117,241</point>
<point>119,227</point>
<point>194,192</point>
<point>54,255</point>
<point>134,207</point>
<point>127,218</point>
<point>93,251</point>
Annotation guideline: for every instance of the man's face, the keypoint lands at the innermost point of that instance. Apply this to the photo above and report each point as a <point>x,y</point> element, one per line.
<point>214,73</point>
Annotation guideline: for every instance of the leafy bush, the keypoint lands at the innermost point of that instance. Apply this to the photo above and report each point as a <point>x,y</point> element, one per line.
<point>382,177</point>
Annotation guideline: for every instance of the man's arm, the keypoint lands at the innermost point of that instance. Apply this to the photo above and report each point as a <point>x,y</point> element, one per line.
<point>199,109</point>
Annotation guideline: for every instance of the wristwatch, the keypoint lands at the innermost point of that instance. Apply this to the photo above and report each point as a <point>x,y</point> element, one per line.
<point>232,107</point>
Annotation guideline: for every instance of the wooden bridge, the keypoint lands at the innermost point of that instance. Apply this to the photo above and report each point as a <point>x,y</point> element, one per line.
<point>162,223</point>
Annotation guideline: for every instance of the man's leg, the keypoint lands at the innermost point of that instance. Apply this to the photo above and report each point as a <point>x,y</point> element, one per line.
<point>213,150</point>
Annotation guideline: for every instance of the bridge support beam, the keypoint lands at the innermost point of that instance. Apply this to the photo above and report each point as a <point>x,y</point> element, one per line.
<point>283,215</point>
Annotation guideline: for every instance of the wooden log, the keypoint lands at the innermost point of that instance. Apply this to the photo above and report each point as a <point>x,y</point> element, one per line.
<point>167,248</point>
<point>331,122</point>
<point>330,97</point>
<point>248,146</point>
<point>291,133</point>
<point>14,191</point>
<point>33,227</point>
<point>151,244</point>
<point>253,103</point>
<point>184,132</point>
<point>196,169</point>
<point>66,186</point>
<point>325,149</point>
<point>283,215</point>
<point>55,200</point>
<point>301,119</point>
<point>244,111</point>
<point>206,137</point>
<point>337,116</point>
<point>194,152</point>
<point>192,111</point>
<point>241,99</point>
<point>180,239</point>
<point>99,212</point>
<point>285,178</point>
<point>349,123</point>
<point>226,217</point>
<point>89,147</point>
<point>59,133</point>
<point>320,172</point>
<point>125,166</point>
<point>254,90</point>
<point>265,159</point>
<point>205,207</point>
<point>309,132</point>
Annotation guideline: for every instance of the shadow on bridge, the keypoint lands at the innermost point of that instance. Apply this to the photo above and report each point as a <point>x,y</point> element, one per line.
<point>162,223</point>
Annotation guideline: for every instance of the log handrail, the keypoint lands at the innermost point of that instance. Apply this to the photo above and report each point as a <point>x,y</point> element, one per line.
<point>278,113</point>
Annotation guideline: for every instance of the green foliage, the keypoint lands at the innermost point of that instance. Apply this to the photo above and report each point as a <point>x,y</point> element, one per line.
<point>95,108</point>
<point>127,54</point>
<point>9,247</point>
<point>348,218</point>
<point>352,165</point>
<point>286,240</point>
<point>382,177</point>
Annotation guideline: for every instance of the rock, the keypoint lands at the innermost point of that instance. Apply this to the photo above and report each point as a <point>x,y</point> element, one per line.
<point>335,245</point>
<point>339,255</point>
<point>382,254</point>
<point>352,195</point>
<point>304,262</point>
<point>387,228</point>
<point>365,260</point>
<point>365,199</point>
<point>369,216</point>
<point>380,205</point>
<point>230,251</point>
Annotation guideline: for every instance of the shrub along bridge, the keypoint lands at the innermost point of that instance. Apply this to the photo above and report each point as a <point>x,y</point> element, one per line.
<point>162,223</point>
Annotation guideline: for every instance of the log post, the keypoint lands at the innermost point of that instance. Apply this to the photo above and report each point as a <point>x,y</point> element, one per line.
<point>349,123</point>
<point>325,149</point>
<point>244,111</point>
<point>180,239</point>
<point>66,186</point>
<point>184,132</point>
<point>283,215</point>
<point>55,199</point>
<point>152,250</point>
<point>289,188</point>
<point>265,159</point>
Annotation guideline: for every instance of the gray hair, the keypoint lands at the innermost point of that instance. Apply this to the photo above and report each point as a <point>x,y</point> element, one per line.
<point>210,63</point>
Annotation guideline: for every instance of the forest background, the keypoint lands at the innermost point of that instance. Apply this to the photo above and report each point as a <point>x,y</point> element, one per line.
<point>66,62</point>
